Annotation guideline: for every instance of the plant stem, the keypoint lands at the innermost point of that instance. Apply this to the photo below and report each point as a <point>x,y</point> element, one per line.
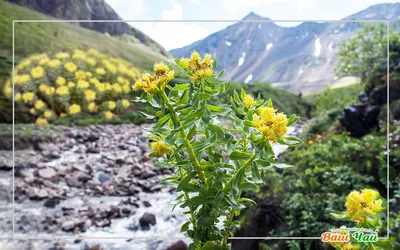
<point>187,143</point>
<point>227,228</point>
<point>193,219</point>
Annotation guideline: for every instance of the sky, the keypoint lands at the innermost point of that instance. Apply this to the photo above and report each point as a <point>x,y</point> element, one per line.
<point>176,35</point>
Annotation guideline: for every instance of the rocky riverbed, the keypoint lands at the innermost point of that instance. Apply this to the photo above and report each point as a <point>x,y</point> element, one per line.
<point>80,187</point>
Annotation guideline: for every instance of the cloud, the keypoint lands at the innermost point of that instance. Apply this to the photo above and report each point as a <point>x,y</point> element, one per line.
<point>195,1</point>
<point>173,35</point>
<point>125,8</point>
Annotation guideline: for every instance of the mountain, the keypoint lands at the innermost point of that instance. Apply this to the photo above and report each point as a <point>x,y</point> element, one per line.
<point>91,10</point>
<point>300,58</point>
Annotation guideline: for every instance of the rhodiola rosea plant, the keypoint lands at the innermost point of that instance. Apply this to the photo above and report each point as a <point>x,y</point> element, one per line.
<point>214,163</point>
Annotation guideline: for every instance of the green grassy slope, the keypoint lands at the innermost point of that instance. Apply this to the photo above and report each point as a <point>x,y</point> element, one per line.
<point>50,38</point>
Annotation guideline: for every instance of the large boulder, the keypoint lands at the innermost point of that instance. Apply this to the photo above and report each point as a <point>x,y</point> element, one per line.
<point>146,220</point>
<point>360,119</point>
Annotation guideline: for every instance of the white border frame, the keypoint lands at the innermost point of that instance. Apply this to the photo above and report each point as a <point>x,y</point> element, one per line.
<point>184,21</point>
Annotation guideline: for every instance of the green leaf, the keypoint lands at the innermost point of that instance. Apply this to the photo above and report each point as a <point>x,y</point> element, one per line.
<point>192,132</point>
<point>249,123</point>
<point>205,96</point>
<point>163,120</point>
<point>270,105</point>
<point>247,200</point>
<point>339,215</point>
<point>161,164</point>
<point>215,63</point>
<point>200,200</point>
<point>172,180</point>
<point>217,129</point>
<point>291,141</point>
<point>281,165</point>
<point>292,120</point>
<point>219,110</point>
<point>205,144</point>
<point>184,98</point>
<point>184,183</point>
<point>236,223</point>
<point>238,155</point>
<point>185,227</point>
<point>181,87</point>
<point>221,73</point>
<point>242,93</point>
<point>237,179</point>
<point>158,113</point>
<point>147,116</point>
<point>236,97</point>
<point>193,117</point>
<point>255,173</point>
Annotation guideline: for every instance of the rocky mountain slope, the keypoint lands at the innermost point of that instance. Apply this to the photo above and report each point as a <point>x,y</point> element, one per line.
<point>300,58</point>
<point>91,10</point>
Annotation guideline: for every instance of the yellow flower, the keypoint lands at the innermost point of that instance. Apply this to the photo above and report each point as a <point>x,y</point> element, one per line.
<point>154,83</point>
<point>21,79</point>
<point>82,84</point>
<point>28,97</point>
<point>44,61</point>
<point>62,55</point>
<point>74,109</point>
<point>200,69</point>
<point>117,88</point>
<point>120,80</point>
<point>111,105</point>
<point>126,89</point>
<point>79,56</point>
<point>319,136</point>
<point>249,101</point>
<point>92,107</point>
<point>18,97</point>
<point>101,87</point>
<point>54,63</point>
<point>160,147</point>
<point>41,121</point>
<point>71,85</point>
<point>24,64</point>
<point>91,61</point>
<point>42,88</point>
<point>362,204</point>
<point>94,81</point>
<point>48,114</point>
<point>50,91</point>
<point>7,91</point>
<point>62,91</point>
<point>60,81</point>
<point>310,142</point>
<point>70,67</point>
<point>125,103</point>
<point>111,68</point>
<point>80,75</point>
<point>100,71</point>
<point>88,74</point>
<point>39,104</point>
<point>272,125</point>
<point>63,115</point>
<point>108,86</point>
<point>90,95</point>
<point>32,111</point>
<point>108,115</point>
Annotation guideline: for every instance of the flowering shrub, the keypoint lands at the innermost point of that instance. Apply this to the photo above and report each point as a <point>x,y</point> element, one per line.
<point>366,208</point>
<point>214,164</point>
<point>69,84</point>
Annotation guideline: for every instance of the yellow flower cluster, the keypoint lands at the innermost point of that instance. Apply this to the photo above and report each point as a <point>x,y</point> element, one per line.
<point>200,69</point>
<point>362,204</point>
<point>71,83</point>
<point>271,124</point>
<point>249,101</point>
<point>156,82</point>
<point>160,147</point>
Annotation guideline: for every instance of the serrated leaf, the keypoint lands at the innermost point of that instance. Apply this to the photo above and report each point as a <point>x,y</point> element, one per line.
<point>147,116</point>
<point>163,120</point>
<point>292,120</point>
<point>255,173</point>
<point>185,227</point>
<point>238,155</point>
<point>181,87</point>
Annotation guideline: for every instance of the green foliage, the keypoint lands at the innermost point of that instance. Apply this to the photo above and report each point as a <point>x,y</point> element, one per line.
<point>214,164</point>
<point>365,55</point>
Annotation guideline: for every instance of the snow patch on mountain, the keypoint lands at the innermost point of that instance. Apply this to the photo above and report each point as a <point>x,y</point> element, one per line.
<point>317,46</point>
<point>269,46</point>
<point>248,78</point>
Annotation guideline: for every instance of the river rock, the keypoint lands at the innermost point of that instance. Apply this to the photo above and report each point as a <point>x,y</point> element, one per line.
<point>68,225</point>
<point>47,173</point>
<point>146,220</point>
<point>179,245</point>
